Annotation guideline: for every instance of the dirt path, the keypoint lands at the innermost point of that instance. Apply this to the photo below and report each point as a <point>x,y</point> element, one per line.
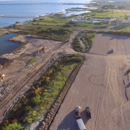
<point>99,85</point>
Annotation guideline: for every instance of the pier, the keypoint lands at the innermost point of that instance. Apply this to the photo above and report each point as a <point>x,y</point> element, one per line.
<point>13,16</point>
<point>44,3</point>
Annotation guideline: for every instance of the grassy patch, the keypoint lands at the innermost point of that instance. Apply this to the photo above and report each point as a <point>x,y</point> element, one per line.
<point>122,28</point>
<point>76,44</point>
<point>59,34</point>
<point>104,14</point>
<point>56,20</point>
<point>88,39</point>
<point>86,25</point>
<point>33,60</point>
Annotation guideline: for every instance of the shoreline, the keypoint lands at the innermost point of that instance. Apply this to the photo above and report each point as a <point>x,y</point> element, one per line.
<point>63,11</point>
<point>16,39</point>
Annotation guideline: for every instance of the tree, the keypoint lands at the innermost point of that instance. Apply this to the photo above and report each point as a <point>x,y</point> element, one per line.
<point>36,99</point>
<point>28,108</point>
<point>14,126</point>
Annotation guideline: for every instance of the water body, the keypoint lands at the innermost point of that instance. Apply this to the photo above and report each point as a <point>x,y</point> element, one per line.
<point>7,46</point>
<point>31,10</point>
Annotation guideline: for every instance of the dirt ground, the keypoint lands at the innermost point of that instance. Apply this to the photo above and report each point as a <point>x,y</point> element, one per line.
<point>20,68</point>
<point>101,84</point>
<point>20,75</point>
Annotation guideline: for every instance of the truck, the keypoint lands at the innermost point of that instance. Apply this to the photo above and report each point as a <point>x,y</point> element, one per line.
<point>79,119</point>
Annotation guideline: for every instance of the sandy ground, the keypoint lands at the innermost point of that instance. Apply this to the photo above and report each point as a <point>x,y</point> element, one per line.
<point>99,85</point>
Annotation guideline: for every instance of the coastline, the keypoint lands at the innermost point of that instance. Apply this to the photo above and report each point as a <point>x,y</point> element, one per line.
<point>36,16</point>
<point>21,39</point>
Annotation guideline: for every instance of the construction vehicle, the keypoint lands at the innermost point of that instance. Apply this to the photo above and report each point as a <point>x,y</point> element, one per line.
<point>79,119</point>
<point>2,77</point>
<point>42,48</point>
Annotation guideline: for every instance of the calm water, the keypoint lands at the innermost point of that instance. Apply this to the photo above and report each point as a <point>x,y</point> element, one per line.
<point>7,46</point>
<point>30,10</point>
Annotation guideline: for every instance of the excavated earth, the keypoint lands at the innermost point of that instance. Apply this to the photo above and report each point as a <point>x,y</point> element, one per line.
<point>101,84</point>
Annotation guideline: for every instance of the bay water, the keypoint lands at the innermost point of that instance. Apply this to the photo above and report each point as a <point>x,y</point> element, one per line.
<point>7,8</point>
<point>30,11</point>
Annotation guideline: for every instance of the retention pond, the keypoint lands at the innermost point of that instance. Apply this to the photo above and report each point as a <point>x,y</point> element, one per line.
<point>7,46</point>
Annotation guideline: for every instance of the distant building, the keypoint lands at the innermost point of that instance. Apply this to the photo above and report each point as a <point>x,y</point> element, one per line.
<point>88,21</point>
<point>95,22</point>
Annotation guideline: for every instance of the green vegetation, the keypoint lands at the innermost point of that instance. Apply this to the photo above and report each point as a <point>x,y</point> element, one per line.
<point>106,13</point>
<point>86,25</point>
<point>14,126</point>
<point>76,44</point>
<point>41,96</point>
<point>88,39</point>
<point>116,32</point>
<point>122,29</point>
<point>62,21</point>
<point>56,20</point>
<point>33,60</point>
<point>59,34</point>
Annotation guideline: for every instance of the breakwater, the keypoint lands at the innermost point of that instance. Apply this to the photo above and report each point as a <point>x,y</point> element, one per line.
<point>44,3</point>
<point>13,16</point>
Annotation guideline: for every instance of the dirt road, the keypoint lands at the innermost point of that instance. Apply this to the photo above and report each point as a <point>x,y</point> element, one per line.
<point>99,85</point>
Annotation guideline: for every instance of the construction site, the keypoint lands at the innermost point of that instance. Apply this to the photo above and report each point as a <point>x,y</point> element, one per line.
<point>102,83</point>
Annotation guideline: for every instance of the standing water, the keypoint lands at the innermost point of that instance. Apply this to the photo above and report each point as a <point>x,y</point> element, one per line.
<point>7,46</point>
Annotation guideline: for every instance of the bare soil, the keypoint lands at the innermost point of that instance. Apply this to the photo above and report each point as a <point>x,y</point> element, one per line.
<point>20,75</point>
<point>102,85</point>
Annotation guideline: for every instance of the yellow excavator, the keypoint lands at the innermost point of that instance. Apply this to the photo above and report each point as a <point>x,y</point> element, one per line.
<point>42,48</point>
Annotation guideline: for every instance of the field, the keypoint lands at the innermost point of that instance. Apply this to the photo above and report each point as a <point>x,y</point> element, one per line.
<point>61,21</point>
<point>109,13</point>
<point>122,28</point>
<point>102,85</point>
<point>56,20</point>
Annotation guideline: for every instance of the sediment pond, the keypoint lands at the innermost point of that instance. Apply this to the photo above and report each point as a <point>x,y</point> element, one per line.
<point>7,46</point>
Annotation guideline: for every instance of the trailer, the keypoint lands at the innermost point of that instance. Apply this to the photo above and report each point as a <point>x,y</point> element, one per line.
<point>79,119</point>
<point>80,124</point>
